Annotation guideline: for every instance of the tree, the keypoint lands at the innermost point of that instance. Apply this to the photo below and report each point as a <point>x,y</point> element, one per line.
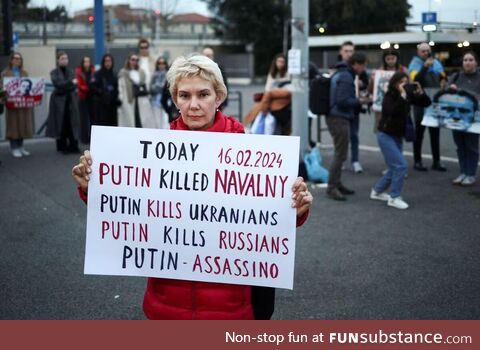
<point>261,22</point>
<point>252,22</point>
<point>362,16</point>
<point>22,13</point>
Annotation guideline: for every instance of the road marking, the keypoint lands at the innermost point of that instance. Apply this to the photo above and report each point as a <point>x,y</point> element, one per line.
<point>377,149</point>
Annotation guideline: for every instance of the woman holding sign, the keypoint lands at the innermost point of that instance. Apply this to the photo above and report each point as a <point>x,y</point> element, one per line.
<point>467,142</point>
<point>198,90</point>
<point>19,120</point>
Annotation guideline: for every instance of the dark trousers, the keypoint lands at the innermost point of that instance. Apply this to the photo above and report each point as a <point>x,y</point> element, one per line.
<point>339,128</point>
<point>419,131</point>
<point>67,141</point>
<point>467,151</point>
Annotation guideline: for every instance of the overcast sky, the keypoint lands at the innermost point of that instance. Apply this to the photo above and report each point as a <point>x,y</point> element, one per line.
<point>448,10</point>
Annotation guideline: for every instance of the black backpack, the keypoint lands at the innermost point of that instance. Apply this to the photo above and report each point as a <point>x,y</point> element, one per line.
<point>320,94</point>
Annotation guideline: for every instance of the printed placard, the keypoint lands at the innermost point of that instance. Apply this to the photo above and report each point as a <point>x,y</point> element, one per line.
<point>192,205</point>
<point>380,85</point>
<point>23,92</point>
<point>456,110</point>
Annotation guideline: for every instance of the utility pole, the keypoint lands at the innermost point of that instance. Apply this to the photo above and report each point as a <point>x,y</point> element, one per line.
<point>298,68</point>
<point>99,31</point>
<point>7,27</point>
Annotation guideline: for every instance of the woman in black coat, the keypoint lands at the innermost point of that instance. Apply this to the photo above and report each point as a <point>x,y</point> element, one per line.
<point>63,116</point>
<point>105,94</point>
<point>392,129</point>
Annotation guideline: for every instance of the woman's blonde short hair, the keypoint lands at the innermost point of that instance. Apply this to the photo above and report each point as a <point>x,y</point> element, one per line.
<point>196,65</point>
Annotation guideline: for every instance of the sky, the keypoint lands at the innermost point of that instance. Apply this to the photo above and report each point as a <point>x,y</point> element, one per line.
<point>465,11</point>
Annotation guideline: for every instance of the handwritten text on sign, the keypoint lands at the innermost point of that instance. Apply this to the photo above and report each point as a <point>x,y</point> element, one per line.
<point>194,206</point>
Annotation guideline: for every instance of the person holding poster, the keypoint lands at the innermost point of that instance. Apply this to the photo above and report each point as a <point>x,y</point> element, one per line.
<point>19,120</point>
<point>197,88</point>
<point>380,79</point>
<point>467,143</point>
<point>391,130</point>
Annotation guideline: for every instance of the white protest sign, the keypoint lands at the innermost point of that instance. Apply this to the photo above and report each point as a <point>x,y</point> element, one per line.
<point>294,62</point>
<point>380,86</point>
<point>194,206</point>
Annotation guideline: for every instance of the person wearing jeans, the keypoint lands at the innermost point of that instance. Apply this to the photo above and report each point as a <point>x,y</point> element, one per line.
<point>391,130</point>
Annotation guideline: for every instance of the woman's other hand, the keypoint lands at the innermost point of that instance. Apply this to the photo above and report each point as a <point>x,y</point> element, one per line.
<point>302,198</point>
<point>81,172</point>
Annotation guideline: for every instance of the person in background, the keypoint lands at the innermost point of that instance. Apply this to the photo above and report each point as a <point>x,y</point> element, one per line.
<point>19,120</point>
<point>346,51</point>
<point>197,88</point>
<point>391,130</point>
<point>430,74</point>
<point>63,116</point>
<point>157,85</point>
<point>146,61</point>
<point>277,75</point>
<point>467,143</point>
<point>84,75</point>
<point>105,93</point>
<point>343,105</point>
<point>135,110</point>
<point>208,51</point>
<point>390,62</point>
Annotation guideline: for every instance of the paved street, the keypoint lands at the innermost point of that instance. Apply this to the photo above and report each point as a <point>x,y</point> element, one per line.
<point>354,260</point>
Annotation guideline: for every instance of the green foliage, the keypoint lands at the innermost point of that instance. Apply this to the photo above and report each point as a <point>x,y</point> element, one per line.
<point>21,12</point>
<point>361,16</point>
<point>252,21</point>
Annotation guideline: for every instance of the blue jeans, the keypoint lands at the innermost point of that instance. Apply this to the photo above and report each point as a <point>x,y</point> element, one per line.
<point>467,151</point>
<point>391,147</point>
<point>354,127</point>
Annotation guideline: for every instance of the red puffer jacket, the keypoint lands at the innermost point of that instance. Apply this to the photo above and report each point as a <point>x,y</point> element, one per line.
<point>168,299</point>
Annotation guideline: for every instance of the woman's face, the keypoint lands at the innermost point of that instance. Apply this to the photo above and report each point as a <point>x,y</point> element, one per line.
<point>198,102</point>
<point>280,63</point>
<point>87,63</point>
<point>133,62</point>
<point>63,61</point>
<point>390,61</point>
<point>402,82</point>
<point>469,63</point>
<point>108,63</point>
<point>16,60</point>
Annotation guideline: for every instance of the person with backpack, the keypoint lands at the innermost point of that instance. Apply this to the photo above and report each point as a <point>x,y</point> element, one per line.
<point>343,103</point>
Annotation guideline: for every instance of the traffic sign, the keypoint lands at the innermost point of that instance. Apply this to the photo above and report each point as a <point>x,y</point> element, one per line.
<point>429,17</point>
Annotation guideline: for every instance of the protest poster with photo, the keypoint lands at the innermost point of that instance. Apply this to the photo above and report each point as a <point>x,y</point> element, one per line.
<point>196,206</point>
<point>456,110</point>
<point>23,92</point>
<point>380,85</point>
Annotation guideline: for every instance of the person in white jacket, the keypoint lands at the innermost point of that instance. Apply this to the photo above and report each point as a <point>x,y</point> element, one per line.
<point>135,109</point>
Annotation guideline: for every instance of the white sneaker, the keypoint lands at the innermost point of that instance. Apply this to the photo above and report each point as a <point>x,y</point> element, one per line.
<point>468,181</point>
<point>24,152</point>
<point>16,153</point>
<point>397,202</point>
<point>379,196</point>
<point>458,180</point>
<point>357,168</point>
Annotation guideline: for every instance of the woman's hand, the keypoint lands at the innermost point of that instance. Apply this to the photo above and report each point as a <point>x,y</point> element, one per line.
<point>418,89</point>
<point>302,198</point>
<point>453,86</point>
<point>81,172</point>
